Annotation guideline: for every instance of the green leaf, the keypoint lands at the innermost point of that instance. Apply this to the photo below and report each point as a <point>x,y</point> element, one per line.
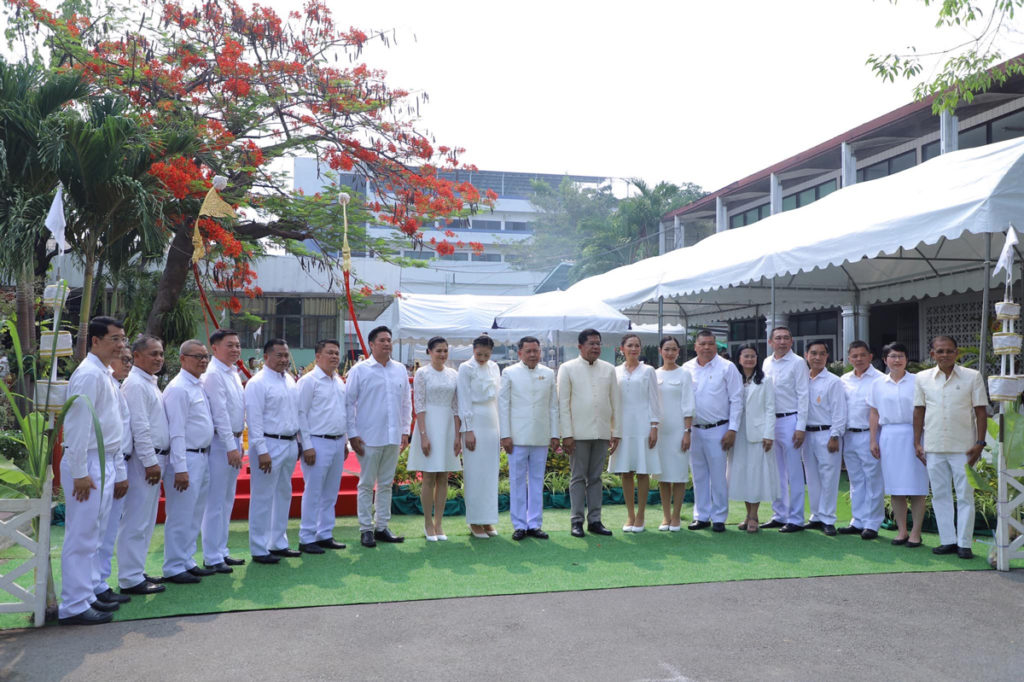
<point>12,473</point>
<point>977,482</point>
<point>9,493</point>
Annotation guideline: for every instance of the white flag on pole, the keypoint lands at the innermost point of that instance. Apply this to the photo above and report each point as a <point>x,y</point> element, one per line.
<point>55,220</point>
<point>257,334</point>
<point>1005,261</point>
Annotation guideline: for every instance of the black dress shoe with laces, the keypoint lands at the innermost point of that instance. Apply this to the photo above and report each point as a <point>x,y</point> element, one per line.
<point>597,528</point>
<point>850,530</point>
<point>219,568</point>
<point>331,543</point>
<point>111,596</point>
<point>88,617</point>
<point>385,535</point>
<point>366,538</point>
<point>964,553</point>
<point>232,561</point>
<point>717,527</point>
<point>105,606</point>
<point>868,534</point>
<point>518,534</point>
<point>829,530</point>
<point>286,552</point>
<point>201,572</point>
<point>814,525</point>
<point>791,528</point>
<point>311,548</point>
<point>577,529</point>
<point>945,549</point>
<point>265,558</point>
<point>537,533</point>
<point>699,525</point>
<point>145,587</point>
<point>183,578</point>
<point>774,523</point>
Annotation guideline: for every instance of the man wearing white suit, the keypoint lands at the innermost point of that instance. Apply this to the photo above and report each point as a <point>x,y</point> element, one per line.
<point>528,427</point>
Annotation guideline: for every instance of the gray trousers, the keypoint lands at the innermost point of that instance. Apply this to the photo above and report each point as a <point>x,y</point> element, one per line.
<point>586,465</point>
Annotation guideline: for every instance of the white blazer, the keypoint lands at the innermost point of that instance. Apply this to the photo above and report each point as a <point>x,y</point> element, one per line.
<point>528,405</point>
<point>760,411</point>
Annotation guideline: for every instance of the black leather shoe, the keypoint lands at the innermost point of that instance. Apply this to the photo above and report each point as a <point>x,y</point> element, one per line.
<point>111,596</point>
<point>598,528</point>
<point>537,533</point>
<point>964,553</point>
<point>331,543</point>
<point>868,534</point>
<point>945,549</point>
<point>898,541</point>
<point>145,587</point>
<point>219,568</point>
<point>699,525</point>
<point>156,579</point>
<point>366,538</point>
<point>850,530</point>
<point>105,606</point>
<point>311,548</point>
<point>912,545</point>
<point>285,552</point>
<point>577,529</point>
<point>183,578</point>
<point>718,527</point>
<point>88,617</point>
<point>791,528</point>
<point>201,572</point>
<point>774,523</point>
<point>519,534</point>
<point>265,558</point>
<point>814,525</point>
<point>385,535</point>
<point>232,561</point>
<point>829,530</point>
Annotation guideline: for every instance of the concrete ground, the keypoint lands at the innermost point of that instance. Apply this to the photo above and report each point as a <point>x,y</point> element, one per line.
<point>924,626</point>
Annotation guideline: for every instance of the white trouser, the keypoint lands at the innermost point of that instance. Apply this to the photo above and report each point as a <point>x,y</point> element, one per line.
<point>83,524</point>
<point>270,497</point>
<point>184,514</point>
<point>710,485</point>
<point>137,523</point>
<point>219,502</point>
<point>788,507</point>
<point>321,483</point>
<point>822,469</point>
<point>105,555</point>
<point>526,485</point>
<point>867,494</point>
<point>376,469</point>
<point>946,470</point>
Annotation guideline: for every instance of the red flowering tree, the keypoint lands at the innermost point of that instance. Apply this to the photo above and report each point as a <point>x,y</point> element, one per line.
<point>254,88</point>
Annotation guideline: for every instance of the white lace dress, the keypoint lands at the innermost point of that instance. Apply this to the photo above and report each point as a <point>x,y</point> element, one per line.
<point>641,406</point>
<point>435,394</point>
<point>478,409</point>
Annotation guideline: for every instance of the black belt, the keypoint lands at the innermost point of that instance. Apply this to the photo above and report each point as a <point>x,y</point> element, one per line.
<point>825,427</point>
<point>199,451</point>
<point>237,435</point>
<point>127,457</point>
<point>710,426</point>
<point>780,415</point>
<point>163,452</point>
<point>328,437</point>
<point>278,436</point>
<point>857,430</point>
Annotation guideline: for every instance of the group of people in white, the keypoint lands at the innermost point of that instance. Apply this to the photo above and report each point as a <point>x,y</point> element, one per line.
<point>748,430</point>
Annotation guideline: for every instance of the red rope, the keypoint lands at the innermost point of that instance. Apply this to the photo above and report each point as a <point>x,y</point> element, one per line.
<point>213,318</point>
<point>352,314</point>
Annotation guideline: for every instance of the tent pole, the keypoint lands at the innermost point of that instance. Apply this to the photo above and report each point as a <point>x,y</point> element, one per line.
<point>771,323</point>
<point>983,338</point>
<point>661,317</point>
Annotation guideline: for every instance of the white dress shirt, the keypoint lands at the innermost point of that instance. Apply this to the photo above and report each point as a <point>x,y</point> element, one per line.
<point>271,406</point>
<point>227,401</point>
<point>894,400</point>
<point>717,392</point>
<point>379,402</point>
<point>589,402</point>
<point>858,388</point>
<point>92,379</point>
<point>120,468</point>
<point>189,421</point>
<point>528,405</point>
<point>949,402</point>
<point>148,420</point>
<point>321,405</point>
<point>789,374</point>
<point>827,403</point>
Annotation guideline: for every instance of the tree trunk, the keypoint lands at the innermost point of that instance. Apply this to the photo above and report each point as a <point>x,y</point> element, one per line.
<point>89,274</point>
<point>172,281</point>
<point>25,301</point>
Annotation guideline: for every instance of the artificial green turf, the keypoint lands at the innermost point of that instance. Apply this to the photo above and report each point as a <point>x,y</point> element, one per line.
<point>465,566</point>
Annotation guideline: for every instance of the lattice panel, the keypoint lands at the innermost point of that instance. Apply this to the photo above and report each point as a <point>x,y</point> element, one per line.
<point>1011,497</point>
<point>961,320</point>
<point>33,601</point>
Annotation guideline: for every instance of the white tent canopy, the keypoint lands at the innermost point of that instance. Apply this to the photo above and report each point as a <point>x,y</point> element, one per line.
<point>457,317</point>
<point>560,311</point>
<point>925,231</point>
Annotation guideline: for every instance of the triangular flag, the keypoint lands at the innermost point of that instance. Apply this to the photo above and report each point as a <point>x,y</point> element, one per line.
<point>55,221</point>
<point>214,207</point>
<point>1005,261</point>
<point>257,334</point>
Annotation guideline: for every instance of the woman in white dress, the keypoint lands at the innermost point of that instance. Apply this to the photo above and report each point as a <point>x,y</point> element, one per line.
<point>478,407</point>
<point>637,451</point>
<point>751,470</point>
<point>892,440</point>
<point>676,388</point>
<point>435,449</point>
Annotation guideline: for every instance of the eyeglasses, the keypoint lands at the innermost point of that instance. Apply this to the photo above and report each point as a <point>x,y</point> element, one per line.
<point>200,358</point>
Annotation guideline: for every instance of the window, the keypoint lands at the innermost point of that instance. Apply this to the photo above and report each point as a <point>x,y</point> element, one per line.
<point>458,255</point>
<point>888,167</point>
<point>1007,127</point>
<point>972,137</point>
<point>518,226</point>
<point>789,203</point>
<point>299,321</point>
<point>750,216</point>
<point>487,257</point>
<point>486,225</point>
<point>930,151</point>
<point>809,196</point>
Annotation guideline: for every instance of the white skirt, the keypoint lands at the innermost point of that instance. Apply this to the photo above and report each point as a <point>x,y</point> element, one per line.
<point>440,426</point>
<point>752,473</point>
<point>902,472</point>
<point>480,467</point>
<point>634,455</point>
<point>675,464</point>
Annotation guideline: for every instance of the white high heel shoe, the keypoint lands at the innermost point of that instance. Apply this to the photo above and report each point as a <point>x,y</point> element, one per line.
<point>430,538</point>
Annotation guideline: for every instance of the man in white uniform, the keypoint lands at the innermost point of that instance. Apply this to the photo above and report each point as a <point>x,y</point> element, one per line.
<point>528,427</point>
<point>187,479</point>
<point>826,423</point>
<point>379,405</point>
<point>788,372</point>
<point>89,488</point>
<point>272,412</point>
<point>224,389</point>
<point>718,396</point>
<point>589,416</point>
<point>950,425</point>
<point>150,448</point>
<point>867,494</point>
<point>322,425</point>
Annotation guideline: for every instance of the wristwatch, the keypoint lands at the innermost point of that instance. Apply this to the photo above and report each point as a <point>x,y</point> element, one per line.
<point>687,430</point>
<point>981,443</point>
